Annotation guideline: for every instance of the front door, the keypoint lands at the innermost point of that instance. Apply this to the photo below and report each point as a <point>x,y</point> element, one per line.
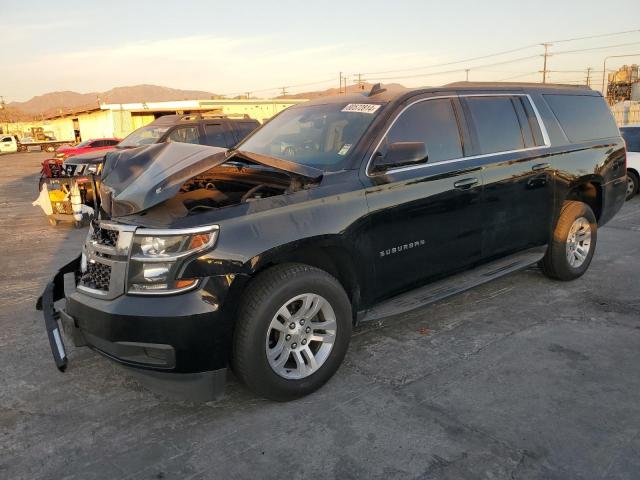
<point>425,219</point>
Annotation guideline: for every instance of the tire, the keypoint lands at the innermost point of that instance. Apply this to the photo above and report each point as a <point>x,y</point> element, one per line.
<point>568,258</point>
<point>255,337</point>
<point>633,183</point>
<point>49,148</point>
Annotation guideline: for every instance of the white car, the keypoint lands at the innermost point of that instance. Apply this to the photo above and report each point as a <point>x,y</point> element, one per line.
<point>8,143</point>
<point>631,135</point>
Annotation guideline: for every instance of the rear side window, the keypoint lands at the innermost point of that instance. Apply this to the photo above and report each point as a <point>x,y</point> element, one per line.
<point>631,138</point>
<point>110,143</point>
<point>7,139</point>
<point>432,122</point>
<point>583,117</point>
<point>496,124</point>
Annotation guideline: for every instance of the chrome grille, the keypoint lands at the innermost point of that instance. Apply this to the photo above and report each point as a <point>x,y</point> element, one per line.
<point>104,236</point>
<point>97,276</point>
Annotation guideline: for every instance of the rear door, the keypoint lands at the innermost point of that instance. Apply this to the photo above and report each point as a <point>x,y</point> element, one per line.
<point>424,219</point>
<point>510,142</point>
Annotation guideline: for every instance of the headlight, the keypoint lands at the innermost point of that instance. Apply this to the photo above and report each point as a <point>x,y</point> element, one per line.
<point>154,265</point>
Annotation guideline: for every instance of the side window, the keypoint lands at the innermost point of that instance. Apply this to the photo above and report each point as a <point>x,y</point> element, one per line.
<point>583,117</point>
<point>496,124</point>
<point>6,139</point>
<point>432,122</point>
<point>184,135</point>
<point>245,128</point>
<point>110,143</point>
<point>98,143</point>
<point>214,135</point>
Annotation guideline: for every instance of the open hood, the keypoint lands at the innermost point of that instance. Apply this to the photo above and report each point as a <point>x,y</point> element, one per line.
<point>139,178</point>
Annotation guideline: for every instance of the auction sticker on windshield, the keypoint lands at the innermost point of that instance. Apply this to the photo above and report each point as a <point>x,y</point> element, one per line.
<point>361,107</point>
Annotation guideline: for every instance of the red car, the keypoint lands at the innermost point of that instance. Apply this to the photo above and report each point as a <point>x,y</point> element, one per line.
<point>86,146</point>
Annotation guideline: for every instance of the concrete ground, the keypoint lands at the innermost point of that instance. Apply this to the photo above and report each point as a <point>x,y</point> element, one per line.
<point>523,378</point>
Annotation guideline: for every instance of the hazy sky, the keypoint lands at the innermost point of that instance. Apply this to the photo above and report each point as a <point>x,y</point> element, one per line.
<point>238,46</point>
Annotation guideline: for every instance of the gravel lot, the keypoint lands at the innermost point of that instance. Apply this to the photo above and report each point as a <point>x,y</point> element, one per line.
<point>521,378</point>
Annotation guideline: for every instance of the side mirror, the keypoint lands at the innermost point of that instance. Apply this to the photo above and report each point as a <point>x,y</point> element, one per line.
<point>400,154</point>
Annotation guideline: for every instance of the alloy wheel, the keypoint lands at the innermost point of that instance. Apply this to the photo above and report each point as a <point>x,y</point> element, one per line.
<point>300,336</point>
<point>578,242</point>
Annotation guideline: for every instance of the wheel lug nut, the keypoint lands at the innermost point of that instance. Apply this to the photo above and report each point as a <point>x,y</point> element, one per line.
<point>302,322</point>
<point>294,345</point>
<point>292,325</point>
<point>287,337</point>
<point>304,341</point>
<point>307,330</point>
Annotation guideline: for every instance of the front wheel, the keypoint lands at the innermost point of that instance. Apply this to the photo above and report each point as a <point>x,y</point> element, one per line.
<point>633,182</point>
<point>292,332</point>
<point>573,244</point>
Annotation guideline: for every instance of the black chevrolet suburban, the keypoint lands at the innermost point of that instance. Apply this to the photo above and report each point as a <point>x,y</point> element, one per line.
<point>345,209</point>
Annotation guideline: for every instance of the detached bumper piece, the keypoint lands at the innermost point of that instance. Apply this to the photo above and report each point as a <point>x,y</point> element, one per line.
<point>53,292</point>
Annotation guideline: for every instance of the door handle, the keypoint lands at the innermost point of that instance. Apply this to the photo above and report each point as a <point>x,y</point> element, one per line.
<point>465,183</point>
<point>540,166</point>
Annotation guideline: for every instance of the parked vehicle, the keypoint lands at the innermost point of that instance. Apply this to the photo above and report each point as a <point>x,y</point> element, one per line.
<point>94,145</point>
<point>337,211</point>
<point>631,136</point>
<point>9,144</point>
<point>204,129</point>
<point>40,140</point>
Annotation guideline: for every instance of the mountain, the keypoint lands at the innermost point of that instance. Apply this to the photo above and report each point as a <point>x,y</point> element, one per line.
<point>52,103</point>
<point>335,91</point>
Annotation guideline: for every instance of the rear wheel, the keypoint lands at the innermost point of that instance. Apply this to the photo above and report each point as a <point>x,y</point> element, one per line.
<point>292,332</point>
<point>633,182</point>
<point>49,148</point>
<point>573,244</point>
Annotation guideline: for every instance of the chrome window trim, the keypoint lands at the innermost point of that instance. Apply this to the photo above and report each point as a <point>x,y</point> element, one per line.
<point>543,129</point>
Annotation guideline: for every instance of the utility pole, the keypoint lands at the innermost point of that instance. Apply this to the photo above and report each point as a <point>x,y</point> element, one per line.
<point>589,76</point>
<point>466,71</point>
<point>248,94</point>
<point>284,91</point>
<point>544,66</point>
<point>340,81</point>
<point>359,81</point>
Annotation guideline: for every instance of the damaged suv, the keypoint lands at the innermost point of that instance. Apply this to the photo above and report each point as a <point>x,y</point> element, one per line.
<point>344,209</point>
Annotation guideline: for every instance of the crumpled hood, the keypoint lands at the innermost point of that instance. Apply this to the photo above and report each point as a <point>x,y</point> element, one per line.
<point>139,178</point>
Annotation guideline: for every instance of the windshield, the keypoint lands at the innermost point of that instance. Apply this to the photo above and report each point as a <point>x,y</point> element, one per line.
<point>631,137</point>
<point>143,136</point>
<point>320,136</point>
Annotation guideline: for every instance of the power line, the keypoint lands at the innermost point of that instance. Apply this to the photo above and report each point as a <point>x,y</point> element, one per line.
<point>457,70</point>
<point>497,54</point>
<point>562,52</point>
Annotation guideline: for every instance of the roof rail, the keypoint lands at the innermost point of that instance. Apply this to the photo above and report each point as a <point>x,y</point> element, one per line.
<point>205,115</point>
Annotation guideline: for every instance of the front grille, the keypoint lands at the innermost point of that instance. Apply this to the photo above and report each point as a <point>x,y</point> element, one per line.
<point>105,236</point>
<point>97,276</point>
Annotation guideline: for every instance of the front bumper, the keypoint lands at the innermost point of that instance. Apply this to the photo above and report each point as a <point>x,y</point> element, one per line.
<point>180,339</point>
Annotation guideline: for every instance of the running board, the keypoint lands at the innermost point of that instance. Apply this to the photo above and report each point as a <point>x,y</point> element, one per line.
<point>433,292</point>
